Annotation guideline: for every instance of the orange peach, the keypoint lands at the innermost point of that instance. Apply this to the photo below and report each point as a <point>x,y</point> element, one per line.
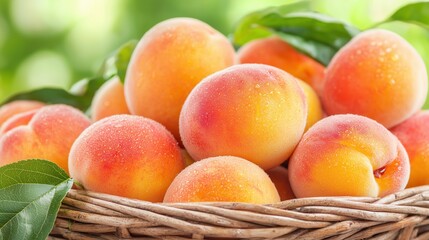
<point>315,112</point>
<point>280,178</point>
<point>276,52</point>
<point>46,134</point>
<point>348,155</point>
<point>109,100</point>
<point>18,106</point>
<point>186,157</point>
<point>254,111</point>
<point>378,75</point>
<point>414,135</point>
<point>170,59</point>
<point>126,155</point>
<point>222,179</point>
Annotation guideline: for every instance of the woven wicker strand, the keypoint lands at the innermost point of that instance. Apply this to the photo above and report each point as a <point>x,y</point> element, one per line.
<point>88,215</point>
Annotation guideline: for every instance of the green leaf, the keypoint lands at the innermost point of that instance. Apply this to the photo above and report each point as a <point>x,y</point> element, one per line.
<point>122,58</point>
<point>248,28</point>
<point>85,89</point>
<point>80,98</point>
<point>31,192</point>
<point>415,13</point>
<point>48,95</point>
<point>317,35</point>
<point>117,64</point>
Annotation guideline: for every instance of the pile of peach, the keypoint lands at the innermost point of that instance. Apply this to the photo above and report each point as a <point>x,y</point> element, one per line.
<point>197,121</point>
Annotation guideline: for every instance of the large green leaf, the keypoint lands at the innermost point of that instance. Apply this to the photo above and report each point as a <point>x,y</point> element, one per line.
<point>31,192</point>
<point>312,33</point>
<point>415,13</point>
<point>248,28</point>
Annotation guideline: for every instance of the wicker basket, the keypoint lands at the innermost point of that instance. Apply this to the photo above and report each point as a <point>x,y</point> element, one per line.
<point>89,215</point>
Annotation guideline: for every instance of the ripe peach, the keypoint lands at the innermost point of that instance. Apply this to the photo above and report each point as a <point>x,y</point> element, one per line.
<point>276,52</point>
<point>222,179</point>
<point>254,111</point>
<point>348,155</point>
<point>377,74</point>
<point>170,59</point>
<point>109,100</point>
<point>18,106</point>
<point>17,120</point>
<point>47,134</point>
<point>414,135</point>
<point>126,155</point>
<point>315,112</point>
<point>280,178</point>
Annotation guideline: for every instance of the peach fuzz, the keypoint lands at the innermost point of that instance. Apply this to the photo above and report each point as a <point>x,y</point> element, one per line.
<point>279,176</point>
<point>126,155</point>
<point>18,106</point>
<point>414,135</point>
<point>254,111</point>
<point>17,120</point>
<point>222,179</point>
<point>378,75</point>
<point>109,100</point>
<point>315,112</point>
<point>348,155</point>
<point>48,134</point>
<point>278,53</point>
<point>170,59</point>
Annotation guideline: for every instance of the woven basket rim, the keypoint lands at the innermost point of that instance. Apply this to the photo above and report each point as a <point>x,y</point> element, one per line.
<point>90,215</point>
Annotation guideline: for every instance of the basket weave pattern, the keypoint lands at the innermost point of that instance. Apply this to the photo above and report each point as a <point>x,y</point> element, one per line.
<point>88,215</point>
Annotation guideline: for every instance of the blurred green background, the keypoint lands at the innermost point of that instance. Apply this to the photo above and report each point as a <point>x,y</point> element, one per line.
<point>57,42</point>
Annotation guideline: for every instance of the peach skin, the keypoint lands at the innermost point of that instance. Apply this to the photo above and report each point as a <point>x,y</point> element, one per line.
<point>17,120</point>
<point>414,135</point>
<point>186,157</point>
<point>47,134</point>
<point>276,52</point>
<point>348,155</point>
<point>170,59</point>
<point>125,155</point>
<point>315,112</point>
<point>378,75</point>
<point>222,179</point>
<point>109,100</point>
<point>280,178</point>
<point>18,106</point>
<point>254,111</point>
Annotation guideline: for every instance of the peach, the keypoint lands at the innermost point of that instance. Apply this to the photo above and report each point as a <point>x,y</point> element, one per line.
<point>279,176</point>
<point>222,179</point>
<point>414,135</point>
<point>109,100</point>
<point>170,59</point>
<point>378,75</point>
<point>17,120</point>
<point>18,106</point>
<point>315,112</point>
<point>186,157</point>
<point>349,155</point>
<point>126,155</point>
<point>276,52</point>
<point>254,111</point>
<point>47,134</point>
